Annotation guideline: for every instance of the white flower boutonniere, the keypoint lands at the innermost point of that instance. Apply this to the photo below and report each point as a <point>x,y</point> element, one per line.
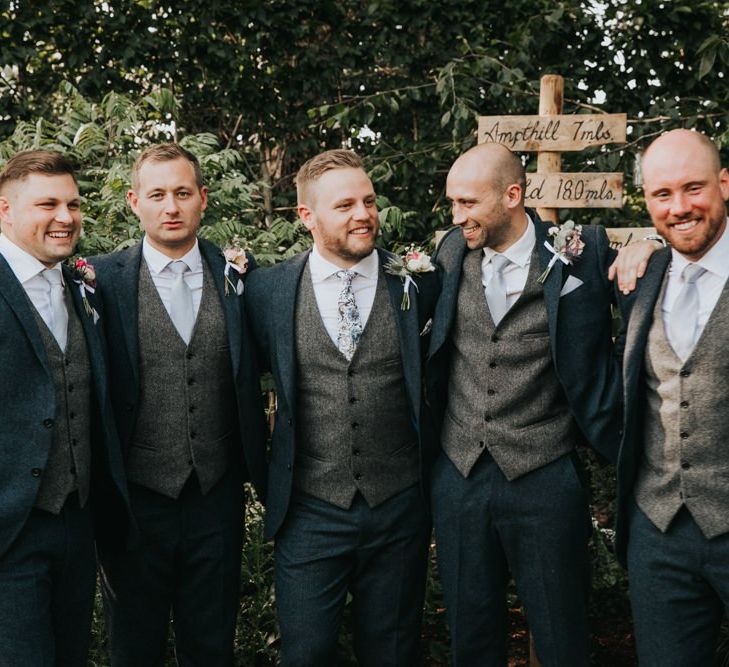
<point>566,247</point>
<point>412,262</point>
<point>235,260</point>
<point>84,275</point>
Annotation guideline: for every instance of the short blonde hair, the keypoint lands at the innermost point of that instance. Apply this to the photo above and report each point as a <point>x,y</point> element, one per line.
<point>165,153</point>
<point>312,170</point>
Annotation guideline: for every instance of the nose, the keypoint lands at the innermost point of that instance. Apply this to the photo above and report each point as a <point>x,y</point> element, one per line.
<point>361,211</point>
<point>170,204</point>
<point>63,214</point>
<point>680,205</point>
<point>459,216</point>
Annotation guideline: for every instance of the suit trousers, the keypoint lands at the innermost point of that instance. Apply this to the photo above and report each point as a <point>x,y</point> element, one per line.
<point>536,528</point>
<point>188,564</point>
<point>47,583</point>
<point>378,554</point>
<point>679,590</point>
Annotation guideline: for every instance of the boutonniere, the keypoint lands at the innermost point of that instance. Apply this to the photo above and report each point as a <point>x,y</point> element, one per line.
<point>84,275</point>
<point>414,261</point>
<point>566,247</point>
<point>235,260</point>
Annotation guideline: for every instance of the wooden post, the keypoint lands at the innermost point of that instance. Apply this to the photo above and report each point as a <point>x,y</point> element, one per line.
<point>551,98</point>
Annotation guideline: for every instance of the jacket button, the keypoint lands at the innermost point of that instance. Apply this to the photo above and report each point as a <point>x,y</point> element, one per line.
<point>358,476</point>
<point>492,364</point>
<point>685,465</point>
<point>350,372</point>
<point>355,425</point>
<point>356,452</point>
<point>495,338</point>
<point>193,435</point>
<point>684,404</point>
<point>481,444</point>
<point>487,418</point>
<point>684,373</point>
<point>490,392</point>
<point>291,422</point>
<point>48,423</point>
<point>352,399</point>
<point>684,435</point>
<point>36,472</point>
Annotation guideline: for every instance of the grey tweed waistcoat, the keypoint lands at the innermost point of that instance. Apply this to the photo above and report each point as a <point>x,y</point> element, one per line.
<point>355,431</point>
<point>188,419</point>
<point>503,392</point>
<point>69,459</point>
<point>686,432</point>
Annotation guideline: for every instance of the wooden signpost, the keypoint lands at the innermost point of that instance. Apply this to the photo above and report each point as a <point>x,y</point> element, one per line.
<point>551,133</point>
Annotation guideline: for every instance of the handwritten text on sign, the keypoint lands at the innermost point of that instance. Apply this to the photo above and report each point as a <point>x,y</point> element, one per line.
<point>552,133</point>
<point>575,190</point>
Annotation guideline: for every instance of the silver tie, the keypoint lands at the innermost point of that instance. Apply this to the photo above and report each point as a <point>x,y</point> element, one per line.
<point>683,322</point>
<point>181,312</point>
<point>496,289</point>
<point>59,314</point>
<point>349,325</point>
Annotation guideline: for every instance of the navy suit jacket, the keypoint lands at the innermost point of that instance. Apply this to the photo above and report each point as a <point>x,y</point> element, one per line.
<point>580,332</point>
<point>272,310</point>
<point>28,407</point>
<point>118,286</point>
<point>637,320</point>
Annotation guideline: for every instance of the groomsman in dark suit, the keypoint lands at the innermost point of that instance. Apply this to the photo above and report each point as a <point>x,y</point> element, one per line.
<point>521,371</point>
<point>60,463</point>
<point>350,447</point>
<point>673,472</point>
<point>186,399</point>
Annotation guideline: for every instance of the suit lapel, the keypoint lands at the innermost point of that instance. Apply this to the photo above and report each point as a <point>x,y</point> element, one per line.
<point>14,294</point>
<point>127,298</point>
<point>230,303</point>
<point>407,329</point>
<point>552,285</point>
<point>284,318</point>
<point>452,266</point>
<point>641,317</point>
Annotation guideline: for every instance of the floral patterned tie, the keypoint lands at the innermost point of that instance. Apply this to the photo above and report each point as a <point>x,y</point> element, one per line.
<point>349,326</point>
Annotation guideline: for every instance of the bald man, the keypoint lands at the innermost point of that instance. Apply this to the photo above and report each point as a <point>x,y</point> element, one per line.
<point>673,473</point>
<point>520,373</point>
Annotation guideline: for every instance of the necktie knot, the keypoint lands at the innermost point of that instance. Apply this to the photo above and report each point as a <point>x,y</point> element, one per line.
<point>499,262</point>
<point>691,273</point>
<point>52,276</point>
<point>178,267</point>
<point>346,276</point>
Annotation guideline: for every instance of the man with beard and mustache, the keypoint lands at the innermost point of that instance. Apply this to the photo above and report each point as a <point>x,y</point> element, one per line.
<point>345,503</point>
<point>520,372</point>
<point>673,472</point>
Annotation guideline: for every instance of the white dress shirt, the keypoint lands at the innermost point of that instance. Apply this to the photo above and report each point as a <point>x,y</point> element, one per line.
<point>327,287</point>
<point>27,270</point>
<point>709,285</point>
<point>516,272</point>
<point>163,277</point>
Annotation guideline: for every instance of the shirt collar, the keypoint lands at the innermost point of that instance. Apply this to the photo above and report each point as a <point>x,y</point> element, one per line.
<point>715,261</point>
<point>321,268</point>
<point>157,261</point>
<point>23,264</point>
<point>519,252</point>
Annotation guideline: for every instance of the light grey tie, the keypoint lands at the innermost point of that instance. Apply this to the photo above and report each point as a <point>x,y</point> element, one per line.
<point>349,325</point>
<point>496,289</point>
<point>181,312</point>
<point>683,322</point>
<point>59,314</point>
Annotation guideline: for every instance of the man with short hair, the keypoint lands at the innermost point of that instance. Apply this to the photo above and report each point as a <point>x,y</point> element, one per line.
<point>60,463</point>
<point>673,472</point>
<point>350,448</point>
<point>188,408</point>
<point>520,372</point>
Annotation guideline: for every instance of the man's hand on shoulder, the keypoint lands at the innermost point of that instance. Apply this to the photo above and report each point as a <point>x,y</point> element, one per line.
<point>631,264</point>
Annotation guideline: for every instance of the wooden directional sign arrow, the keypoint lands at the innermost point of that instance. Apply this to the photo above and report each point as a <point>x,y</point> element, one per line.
<point>555,133</point>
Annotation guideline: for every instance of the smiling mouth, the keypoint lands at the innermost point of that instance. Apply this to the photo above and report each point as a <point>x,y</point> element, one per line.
<point>467,229</point>
<point>685,226</point>
<point>59,235</point>
<point>360,231</point>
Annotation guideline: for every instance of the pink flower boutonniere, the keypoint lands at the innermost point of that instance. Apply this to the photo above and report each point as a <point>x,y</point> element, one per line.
<point>235,260</point>
<point>414,261</point>
<point>84,275</point>
<point>566,247</point>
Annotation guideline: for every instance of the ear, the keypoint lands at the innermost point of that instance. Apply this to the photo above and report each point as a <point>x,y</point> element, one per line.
<point>204,197</point>
<point>5,210</point>
<point>306,215</point>
<point>513,196</point>
<point>724,183</point>
<point>132,198</point>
